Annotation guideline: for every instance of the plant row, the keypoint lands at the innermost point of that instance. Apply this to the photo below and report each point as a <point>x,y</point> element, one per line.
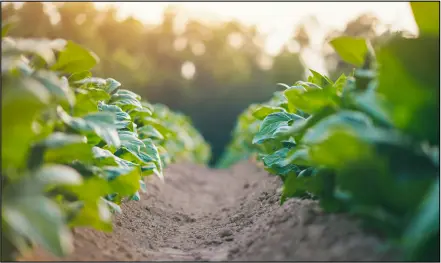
<point>75,146</point>
<point>367,143</point>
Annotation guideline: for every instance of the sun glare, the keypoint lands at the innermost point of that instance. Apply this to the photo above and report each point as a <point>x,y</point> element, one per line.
<point>276,19</point>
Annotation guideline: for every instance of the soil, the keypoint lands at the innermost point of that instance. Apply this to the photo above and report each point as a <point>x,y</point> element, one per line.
<point>235,214</point>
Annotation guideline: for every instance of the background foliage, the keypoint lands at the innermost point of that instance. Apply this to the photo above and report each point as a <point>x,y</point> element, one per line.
<point>149,58</point>
<point>366,143</point>
<point>75,146</point>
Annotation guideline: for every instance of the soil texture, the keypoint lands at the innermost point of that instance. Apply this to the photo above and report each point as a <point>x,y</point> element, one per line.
<point>216,215</point>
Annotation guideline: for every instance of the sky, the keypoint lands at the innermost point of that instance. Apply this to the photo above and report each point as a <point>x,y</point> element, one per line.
<point>277,19</point>
<point>274,18</point>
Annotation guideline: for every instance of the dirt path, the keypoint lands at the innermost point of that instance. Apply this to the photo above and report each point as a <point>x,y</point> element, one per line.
<point>203,214</point>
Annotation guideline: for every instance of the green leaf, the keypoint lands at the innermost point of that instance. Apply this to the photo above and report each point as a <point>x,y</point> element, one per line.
<point>128,93</point>
<point>39,219</point>
<point>99,124</point>
<point>148,167</point>
<point>140,112</point>
<point>298,128</point>
<point>297,186</point>
<point>94,213</point>
<point>57,175</point>
<point>305,86</point>
<point>163,129</point>
<point>421,239</point>
<point>111,85</point>
<point>92,189</point>
<point>136,197</point>
<point>148,131</point>
<point>352,50</point>
<point>127,100</point>
<point>426,16</point>
<point>327,149</point>
<point>104,157</point>
<point>340,83</point>
<point>264,111</point>
<point>151,168</point>
<point>78,76</point>
<point>113,206</point>
<point>64,148</point>
<point>127,182</point>
<point>8,24</point>
<point>92,82</point>
<point>309,101</point>
<point>274,158</point>
<point>273,122</point>
<point>132,148</point>
<point>17,119</point>
<point>59,139</point>
<point>297,156</point>
<point>107,85</point>
<point>373,104</point>
<point>86,100</point>
<point>59,88</point>
<point>414,107</point>
<point>319,79</point>
<point>143,187</point>
<point>350,121</point>
<point>44,48</point>
<point>123,119</point>
<point>151,150</point>
<point>75,58</point>
<point>274,162</point>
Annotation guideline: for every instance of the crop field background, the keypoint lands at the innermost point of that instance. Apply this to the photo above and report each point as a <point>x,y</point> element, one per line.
<point>192,140</point>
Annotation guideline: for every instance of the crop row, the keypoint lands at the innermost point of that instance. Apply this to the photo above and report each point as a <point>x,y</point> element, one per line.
<point>75,146</point>
<point>367,143</point>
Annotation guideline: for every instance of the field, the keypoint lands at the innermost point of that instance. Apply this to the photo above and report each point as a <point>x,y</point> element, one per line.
<point>331,170</point>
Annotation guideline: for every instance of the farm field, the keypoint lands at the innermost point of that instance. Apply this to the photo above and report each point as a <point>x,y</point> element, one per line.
<point>231,214</point>
<point>339,168</point>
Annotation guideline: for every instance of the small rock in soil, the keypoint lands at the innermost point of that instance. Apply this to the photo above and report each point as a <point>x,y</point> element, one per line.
<point>234,250</point>
<point>230,238</point>
<point>225,232</point>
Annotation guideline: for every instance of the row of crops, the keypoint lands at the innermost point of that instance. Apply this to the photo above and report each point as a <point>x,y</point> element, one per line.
<point>367,143</point>
<point>75,146</point>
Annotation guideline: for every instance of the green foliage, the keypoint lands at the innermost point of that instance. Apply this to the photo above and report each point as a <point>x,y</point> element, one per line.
<point>74,58</point>
<point>74,147</point>
<point>147,59</point>
<point>352,50</point>
<point>368,143</point>
<point>426,16</point>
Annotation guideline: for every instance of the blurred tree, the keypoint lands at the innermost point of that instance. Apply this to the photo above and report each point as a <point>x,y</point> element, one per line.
<point>76,22</point>
<point>287,67</point>
<point>8,10</point>
<point>231,67</point>
<point>30,13</point>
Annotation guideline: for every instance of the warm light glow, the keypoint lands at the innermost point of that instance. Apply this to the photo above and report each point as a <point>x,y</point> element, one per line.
<point>188,70</point>
<point>277,20</point>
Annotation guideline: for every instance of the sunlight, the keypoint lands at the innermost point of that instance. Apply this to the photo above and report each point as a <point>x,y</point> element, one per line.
<point>276,20</point>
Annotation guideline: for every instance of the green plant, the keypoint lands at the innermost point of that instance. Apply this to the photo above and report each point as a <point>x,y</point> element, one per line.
<point>75,146</point>
<point>368,143</point>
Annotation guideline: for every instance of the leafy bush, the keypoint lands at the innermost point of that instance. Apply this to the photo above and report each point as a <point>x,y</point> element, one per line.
<point>367,143</point>
<point>75,146</point>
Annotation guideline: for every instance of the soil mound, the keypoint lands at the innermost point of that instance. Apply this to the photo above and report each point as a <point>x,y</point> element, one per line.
<point>205,214</point>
